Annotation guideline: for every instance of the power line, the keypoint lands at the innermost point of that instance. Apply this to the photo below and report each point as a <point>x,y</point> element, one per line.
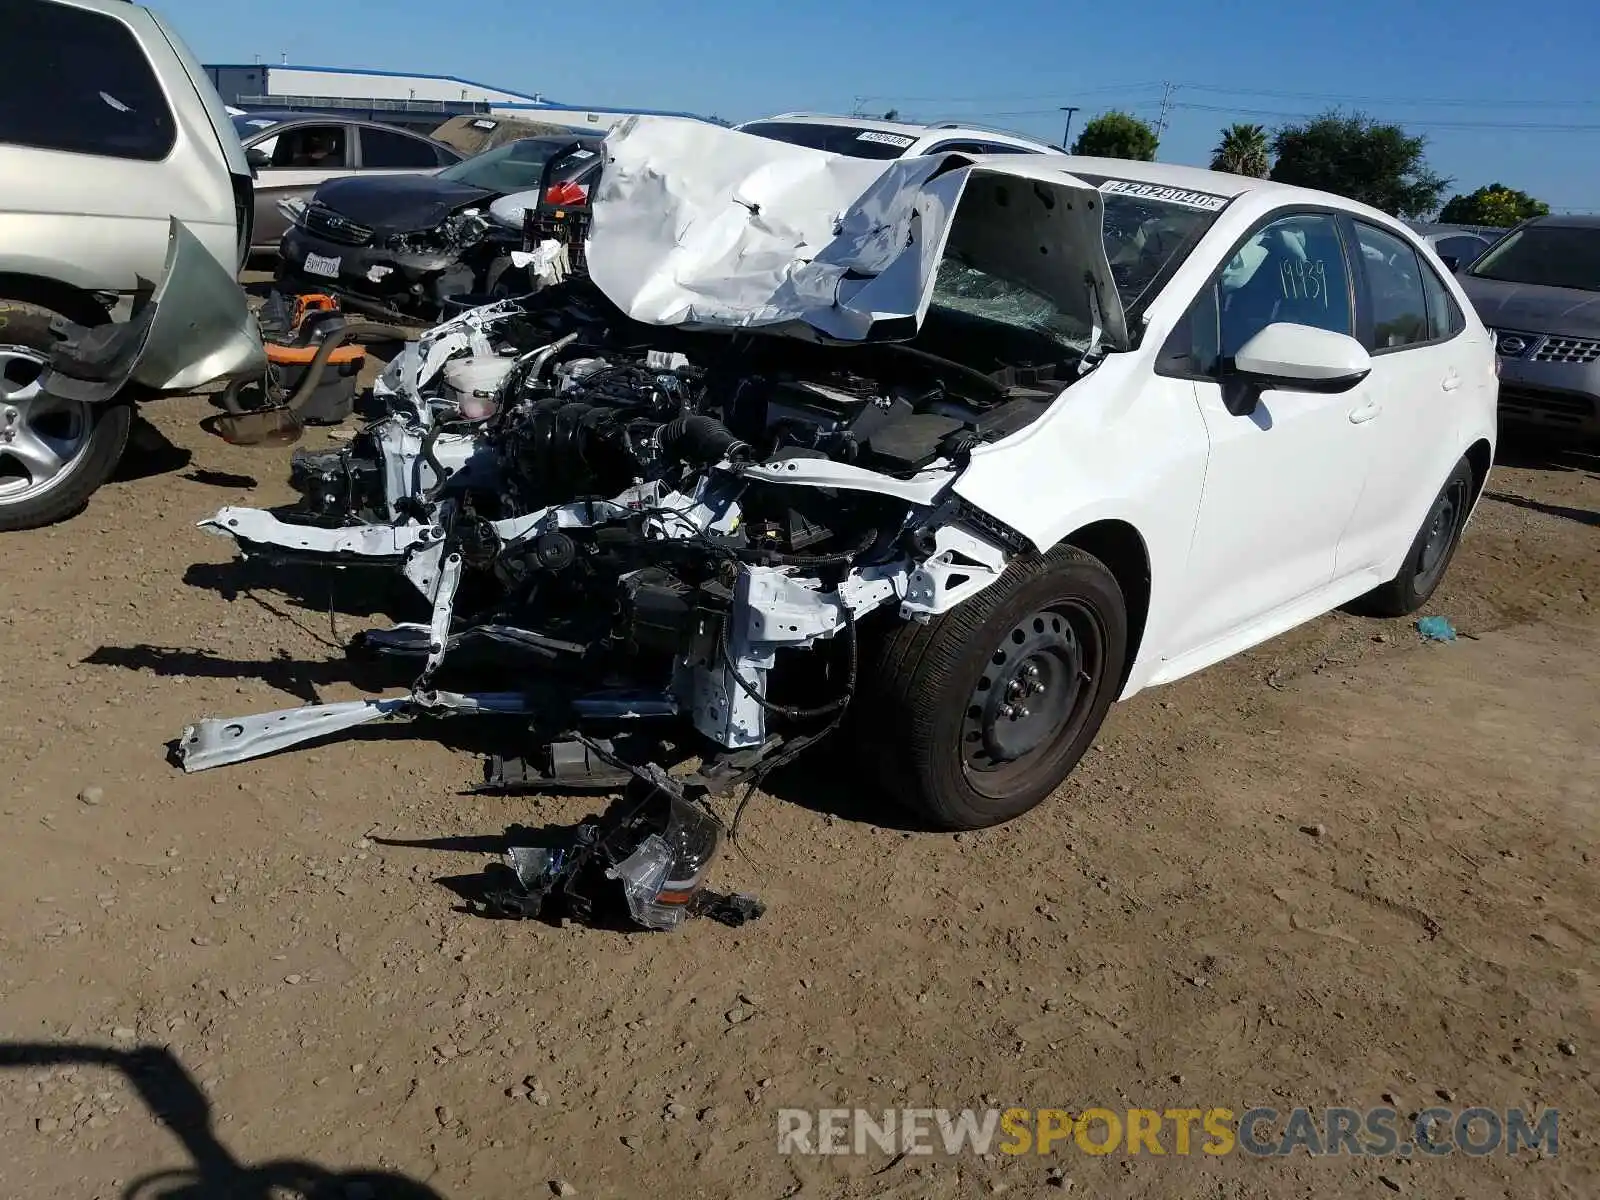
<point>1012,99</point>
<point>1443,102</point>
<point>1424,123</point>
<point>1221,90</point>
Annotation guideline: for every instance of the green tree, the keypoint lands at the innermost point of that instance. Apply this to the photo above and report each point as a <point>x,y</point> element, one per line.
<point>1492,204</point>
<point>1117,135</point>
<point>1356,156</point>
<point>1243,150</point>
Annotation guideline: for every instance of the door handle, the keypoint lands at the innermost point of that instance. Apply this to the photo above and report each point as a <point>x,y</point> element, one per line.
<point>1451,382</point>
<point>1360,416</point>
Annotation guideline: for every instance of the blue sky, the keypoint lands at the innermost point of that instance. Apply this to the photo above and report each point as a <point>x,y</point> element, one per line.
<point>1501,93</point>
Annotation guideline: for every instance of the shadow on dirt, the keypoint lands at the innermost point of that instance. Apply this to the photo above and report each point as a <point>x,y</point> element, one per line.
<point>295,676</point>
<point>149,453</point>
<point>221,479</point>
<point>829,778</point>
<point>1583,516</point>
<point>1544,452</point>
<point>175,1101</point>
<point>357,592</point>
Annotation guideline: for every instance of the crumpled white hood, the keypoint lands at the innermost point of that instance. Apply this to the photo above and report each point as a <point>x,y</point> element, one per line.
<point>705,227</point>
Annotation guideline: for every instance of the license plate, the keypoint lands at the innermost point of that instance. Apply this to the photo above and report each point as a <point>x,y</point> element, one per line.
<point>328,268</point>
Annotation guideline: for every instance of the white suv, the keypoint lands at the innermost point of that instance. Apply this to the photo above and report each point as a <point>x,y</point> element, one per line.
<point>862,137</point>
<point>117,132</point>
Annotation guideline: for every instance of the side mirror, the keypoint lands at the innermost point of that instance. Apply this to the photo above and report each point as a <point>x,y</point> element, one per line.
<point>1294,358</point>
<point>1451,262</point>
<point>258,158</point>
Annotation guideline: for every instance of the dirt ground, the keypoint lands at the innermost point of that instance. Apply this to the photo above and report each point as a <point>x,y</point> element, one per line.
<point>1345,866</point>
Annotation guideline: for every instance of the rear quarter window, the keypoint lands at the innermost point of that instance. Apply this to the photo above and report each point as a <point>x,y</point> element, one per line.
<point>78,81</point>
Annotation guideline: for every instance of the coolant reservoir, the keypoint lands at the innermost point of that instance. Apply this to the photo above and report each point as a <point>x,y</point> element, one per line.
<point>473,382</point>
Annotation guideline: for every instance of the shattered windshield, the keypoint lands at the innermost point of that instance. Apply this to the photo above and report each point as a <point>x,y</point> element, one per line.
<point>514,167</point>
<point>851,140</point>
<point>1547,255</point>
<point>1145,239</point>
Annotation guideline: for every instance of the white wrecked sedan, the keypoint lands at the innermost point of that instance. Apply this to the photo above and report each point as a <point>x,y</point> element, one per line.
<point>956,452</point>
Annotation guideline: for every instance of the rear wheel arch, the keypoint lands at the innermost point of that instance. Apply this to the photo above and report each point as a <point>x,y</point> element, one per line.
<point>1480,455</point>
<point>74,303</point>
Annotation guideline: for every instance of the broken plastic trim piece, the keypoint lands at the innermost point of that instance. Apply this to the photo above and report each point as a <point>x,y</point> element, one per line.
<point>196,329</point>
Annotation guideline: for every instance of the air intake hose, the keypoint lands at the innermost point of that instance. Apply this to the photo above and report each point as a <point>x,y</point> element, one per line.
<point>700,441</point>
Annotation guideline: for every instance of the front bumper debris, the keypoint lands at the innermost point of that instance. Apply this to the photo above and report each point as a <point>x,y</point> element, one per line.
<point>645,858</point>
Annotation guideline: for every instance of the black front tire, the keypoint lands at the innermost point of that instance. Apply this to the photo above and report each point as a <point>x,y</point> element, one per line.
<point>1431,550</point>
<point>927,718</point>
<point>94,458</point>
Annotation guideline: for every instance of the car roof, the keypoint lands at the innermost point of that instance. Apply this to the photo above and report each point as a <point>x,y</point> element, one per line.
<point>1569,220</point>
<point>300,117</point>
<point>583,139</point>
<point>850,122</point>
<point>1191,179</point>
<point>903,128</point>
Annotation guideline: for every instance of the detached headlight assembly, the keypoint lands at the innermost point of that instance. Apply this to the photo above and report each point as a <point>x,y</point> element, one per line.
<point>467,229</point>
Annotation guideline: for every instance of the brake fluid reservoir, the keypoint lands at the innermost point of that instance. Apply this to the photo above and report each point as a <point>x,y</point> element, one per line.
<point>473,382</point>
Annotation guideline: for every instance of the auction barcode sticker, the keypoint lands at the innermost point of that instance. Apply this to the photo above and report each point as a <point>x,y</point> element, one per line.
<point>888,139</point>
<point>1169,195</point>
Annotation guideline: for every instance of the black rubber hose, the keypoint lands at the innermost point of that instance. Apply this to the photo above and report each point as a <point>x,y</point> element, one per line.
<point>347,333</point>
<point>801,714</point>
<point>440,475</point>
<point>230,398</point>
<point>700,441</point>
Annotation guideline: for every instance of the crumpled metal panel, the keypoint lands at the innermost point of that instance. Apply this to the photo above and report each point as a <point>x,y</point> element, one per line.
<point>203,330</point>
<point>704,227</point>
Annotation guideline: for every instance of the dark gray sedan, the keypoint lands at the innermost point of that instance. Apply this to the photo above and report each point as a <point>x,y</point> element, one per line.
<point>1538,291</point>
<point>292,152</point>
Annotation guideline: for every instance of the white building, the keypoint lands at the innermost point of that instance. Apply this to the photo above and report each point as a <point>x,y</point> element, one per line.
<point>398,96</point>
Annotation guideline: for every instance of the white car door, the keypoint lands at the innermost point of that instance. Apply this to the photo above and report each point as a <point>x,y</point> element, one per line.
<point>1283,479</point>
<point>1417,388</point>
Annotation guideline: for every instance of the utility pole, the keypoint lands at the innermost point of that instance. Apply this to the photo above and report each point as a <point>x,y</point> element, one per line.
<point>1166,103</point>
<point>1066,134</point>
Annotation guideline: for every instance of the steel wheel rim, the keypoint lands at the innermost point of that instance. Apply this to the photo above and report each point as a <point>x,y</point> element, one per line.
<point>1443,521</point>
<point>1033,695</point>
<point>42,438</point>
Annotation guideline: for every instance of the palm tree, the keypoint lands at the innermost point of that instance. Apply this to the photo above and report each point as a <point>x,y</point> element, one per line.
<point>1242,151</point>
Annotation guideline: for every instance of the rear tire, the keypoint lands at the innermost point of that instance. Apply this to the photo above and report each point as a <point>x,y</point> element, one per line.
<point>1430,554</point>
<point>54,453</point>
<point>977,716</point>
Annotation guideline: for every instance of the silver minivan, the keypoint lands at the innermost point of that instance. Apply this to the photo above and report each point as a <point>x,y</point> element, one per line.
<point>115,132</point>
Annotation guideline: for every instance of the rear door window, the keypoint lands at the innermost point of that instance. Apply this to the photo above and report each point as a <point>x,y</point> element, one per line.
<point>1462,249</point>
<point>78,81</point>
<point>388,149</point>
<point>836,139</point>
<point>1394,286</point>
<point>1445,318</point>
<point>312,148</point>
